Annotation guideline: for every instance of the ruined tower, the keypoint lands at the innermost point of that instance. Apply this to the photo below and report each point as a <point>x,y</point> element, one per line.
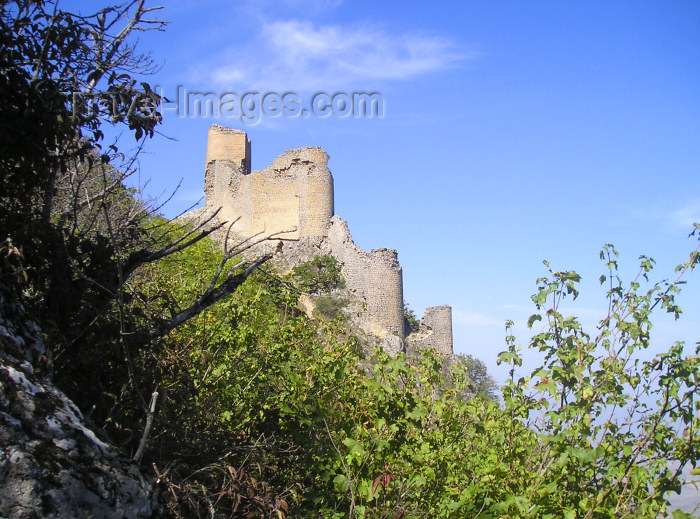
<point>435,331</point>
<point>384,290</point>
<point>227,162</point>
<point>294,194</point>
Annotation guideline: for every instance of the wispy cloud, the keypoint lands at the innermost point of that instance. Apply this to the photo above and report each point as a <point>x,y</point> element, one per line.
<point>672,217</point>
<point>686,216</point>
<point>298,55</point>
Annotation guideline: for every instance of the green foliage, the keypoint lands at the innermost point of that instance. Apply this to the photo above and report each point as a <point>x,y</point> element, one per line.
<point>69,278</point>
<point>269,413</point>
<point>482,384</point>
<point>265,413</point>
<point>614,429</point>
<point>413,323</point>
<point>50,58</point>
<point>283,415</point>
<point>329,306</point>
<point>319,275</point>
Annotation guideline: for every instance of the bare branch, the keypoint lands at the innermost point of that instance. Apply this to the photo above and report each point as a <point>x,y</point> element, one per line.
<point>148,428</point>
<point>143,256</point>
<point>210,297</point>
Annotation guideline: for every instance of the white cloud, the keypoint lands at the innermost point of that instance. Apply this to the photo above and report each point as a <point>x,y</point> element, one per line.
<point>673,220</point>
<point>686,216</point>
<point>298,55</point>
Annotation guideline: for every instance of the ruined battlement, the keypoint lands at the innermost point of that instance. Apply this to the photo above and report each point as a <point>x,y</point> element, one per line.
<point>435,331</point>
<point>292,198</point>
<point>228,144</point>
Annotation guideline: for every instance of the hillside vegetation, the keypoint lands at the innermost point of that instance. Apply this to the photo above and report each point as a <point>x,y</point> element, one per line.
<point>202,369</point>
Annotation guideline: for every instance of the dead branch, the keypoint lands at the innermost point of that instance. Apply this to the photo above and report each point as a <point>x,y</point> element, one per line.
<point>210,297</point>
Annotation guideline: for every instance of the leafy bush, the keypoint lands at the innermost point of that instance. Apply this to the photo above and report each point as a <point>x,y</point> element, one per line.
<point>321,274</point>
<point>412,322</point>
<point>614,429</point>
<point>328,306</point>
<point>287,417</point>
<point>270,409</point>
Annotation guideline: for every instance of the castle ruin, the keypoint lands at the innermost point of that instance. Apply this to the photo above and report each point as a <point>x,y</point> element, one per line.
<point>294,192</point>
<point>293,199</point>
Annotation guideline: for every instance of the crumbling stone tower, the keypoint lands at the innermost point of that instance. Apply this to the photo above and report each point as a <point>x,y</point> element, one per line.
<point>435,331</point>
<point>293,194</point>
<point>293,199</point>
<point>228,158</point>
<point>384,290</point>
<point>375,277</point>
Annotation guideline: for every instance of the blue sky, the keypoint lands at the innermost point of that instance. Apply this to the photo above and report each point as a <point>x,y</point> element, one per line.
<point>513,132</point>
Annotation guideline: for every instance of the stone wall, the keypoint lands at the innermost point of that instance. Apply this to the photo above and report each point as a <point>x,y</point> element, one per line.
<point>435,331</point>
<point>376,278</point>
<point>294,194</point>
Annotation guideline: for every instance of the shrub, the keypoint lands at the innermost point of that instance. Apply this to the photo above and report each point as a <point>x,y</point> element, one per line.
<point>319,275</point>
<point>329,306</point>
<point>412,322</point>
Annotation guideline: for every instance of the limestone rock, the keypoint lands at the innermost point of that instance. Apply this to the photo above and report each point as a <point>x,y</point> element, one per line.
<point>393,345</point>
<point>51,464</point>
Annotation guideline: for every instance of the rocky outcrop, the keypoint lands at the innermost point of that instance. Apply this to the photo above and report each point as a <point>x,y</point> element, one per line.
<point>51,464</point>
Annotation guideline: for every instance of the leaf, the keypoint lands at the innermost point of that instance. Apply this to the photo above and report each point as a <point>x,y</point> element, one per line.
<point>341,483</point>
<point>377,482</point>
<point>533,319</point>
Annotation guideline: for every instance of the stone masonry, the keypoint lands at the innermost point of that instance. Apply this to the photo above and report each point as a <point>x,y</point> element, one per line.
<point>293,199</point>
<point>435,331</point>
<point>294,193</point>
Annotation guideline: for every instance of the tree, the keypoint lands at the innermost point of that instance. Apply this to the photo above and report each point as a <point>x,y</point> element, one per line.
<point>63,204</point>
<point>614,431</point>
<point>318,275</point>
<point>411,321</point>
<point>50,60</point>
<point>482,383</point>
<point>72,233</point>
